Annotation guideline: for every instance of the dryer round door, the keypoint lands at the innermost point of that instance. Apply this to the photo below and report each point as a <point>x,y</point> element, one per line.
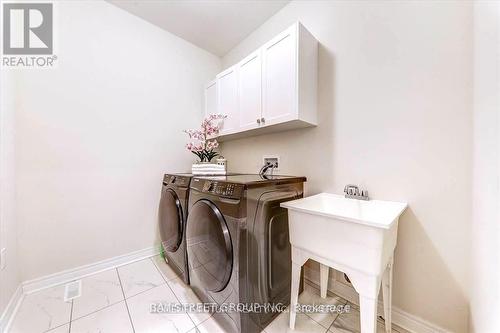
<point>209,247</point>
<point>170,215</point>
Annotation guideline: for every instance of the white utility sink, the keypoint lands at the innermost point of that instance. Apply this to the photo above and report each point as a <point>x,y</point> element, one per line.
<point>376,213</point>
<point>354,236</point>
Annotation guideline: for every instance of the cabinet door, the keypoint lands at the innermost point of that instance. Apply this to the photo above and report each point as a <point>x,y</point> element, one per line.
<point>280,78</point>
<point>211,98</point>
<point>250,91</point>
<point>227,90</point>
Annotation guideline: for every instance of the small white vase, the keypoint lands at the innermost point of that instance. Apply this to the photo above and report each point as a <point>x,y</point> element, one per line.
<point>208,168</point>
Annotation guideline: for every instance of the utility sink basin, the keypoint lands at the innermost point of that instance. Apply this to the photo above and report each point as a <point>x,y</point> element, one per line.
<point>358,233</point>
<point>377,213</point>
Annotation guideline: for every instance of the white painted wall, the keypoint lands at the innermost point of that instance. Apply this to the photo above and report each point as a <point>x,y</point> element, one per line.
<point>395,97</point>
<point>97,133</point>
<point>485,286</point>
<point>9,277</point>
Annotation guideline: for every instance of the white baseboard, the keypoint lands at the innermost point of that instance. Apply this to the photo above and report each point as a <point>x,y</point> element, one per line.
<point>11,309</point>
<point>400,318</point>
<point>82,271</point>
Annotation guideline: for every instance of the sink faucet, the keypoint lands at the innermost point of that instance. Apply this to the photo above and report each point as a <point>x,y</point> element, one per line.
<point>352,192</point>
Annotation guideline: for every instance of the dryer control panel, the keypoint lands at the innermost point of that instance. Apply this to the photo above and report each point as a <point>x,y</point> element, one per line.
<point>223,189</point>
<point>178,180</point>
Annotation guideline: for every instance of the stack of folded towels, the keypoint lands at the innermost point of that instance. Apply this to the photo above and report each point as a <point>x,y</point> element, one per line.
<point>208,169</point>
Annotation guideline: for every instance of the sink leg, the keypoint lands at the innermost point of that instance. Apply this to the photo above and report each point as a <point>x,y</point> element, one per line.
<point>294,293</point>
<point>368,314</point>
<point>323,277</point>
<point>387,293</point>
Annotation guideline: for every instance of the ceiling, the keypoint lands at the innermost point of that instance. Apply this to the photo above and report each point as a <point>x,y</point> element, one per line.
<point>214,25</point>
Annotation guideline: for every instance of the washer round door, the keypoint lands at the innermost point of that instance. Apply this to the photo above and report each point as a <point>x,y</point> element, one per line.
<point>171,226</point>
<point>209,247</point>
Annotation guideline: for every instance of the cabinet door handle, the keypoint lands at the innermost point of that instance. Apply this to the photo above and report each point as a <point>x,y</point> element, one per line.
<point>262,120</point>
<point>258,121</point>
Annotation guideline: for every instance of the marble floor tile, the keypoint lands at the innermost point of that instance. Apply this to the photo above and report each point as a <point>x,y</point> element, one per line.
<point>112,319</point>
<point>303,324</point>
<point>101,307</point>
<point>42,311</point>
<point>397,329</point>
<point>208,326</point>
<point>186,295</point>
<point>350,322</point>
<point>98,291</point>
<point>61,329</point>
<point>139,276</point>
<point>311,296</point>
<point>145,321</point>
<point>165,270</point>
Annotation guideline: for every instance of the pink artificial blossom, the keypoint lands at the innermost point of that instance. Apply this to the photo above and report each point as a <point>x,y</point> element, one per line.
<point>212,144</point>
<point>194,134</point>
<point>194,147</point>
<point>206,141</point>
<point>217,116</point>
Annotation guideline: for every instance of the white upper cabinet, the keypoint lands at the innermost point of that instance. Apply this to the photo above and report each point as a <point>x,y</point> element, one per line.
<point>279,84</point>
<point>250,91</point>
<point>227,91</point>
<point>273,89</point>
<point>211,98</point>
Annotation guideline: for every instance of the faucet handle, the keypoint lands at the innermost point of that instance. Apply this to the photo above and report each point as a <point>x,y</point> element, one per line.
<point>351,189</point>
<point>353,192</point>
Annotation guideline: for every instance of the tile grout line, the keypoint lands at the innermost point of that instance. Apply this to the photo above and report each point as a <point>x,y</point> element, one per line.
<point>47,331</point>
<point>158,269</point>
<point>327,328</point>
<point>58,326</point>
<point>195,325</point>
<point>378,322</point>
<point>166,282</point>
<point>338,315</point>
<point>125,300</point>
<point>144,291</point>
<point>91,313</point>
<point>354,306</point>
<point>141,292</point>
<point>103,308</point>
<point>71,315</point>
